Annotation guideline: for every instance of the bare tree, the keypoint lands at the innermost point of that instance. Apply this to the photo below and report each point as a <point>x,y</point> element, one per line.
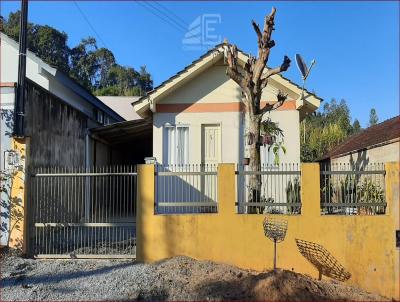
<point>253,78</point>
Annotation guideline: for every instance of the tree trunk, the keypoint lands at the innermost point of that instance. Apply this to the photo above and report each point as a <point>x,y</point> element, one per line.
<point>252,79</point>
<point>254,193</point>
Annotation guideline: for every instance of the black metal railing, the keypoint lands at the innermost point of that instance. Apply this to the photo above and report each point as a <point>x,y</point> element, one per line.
<point>347,189</point>
<point>278,191</point>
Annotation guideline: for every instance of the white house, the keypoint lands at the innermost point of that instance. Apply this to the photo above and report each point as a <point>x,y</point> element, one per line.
<point>197,114</point>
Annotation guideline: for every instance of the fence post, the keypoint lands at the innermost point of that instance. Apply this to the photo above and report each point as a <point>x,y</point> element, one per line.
<point>226,189</point>
<point>145,206</point>
<point>310,189</point>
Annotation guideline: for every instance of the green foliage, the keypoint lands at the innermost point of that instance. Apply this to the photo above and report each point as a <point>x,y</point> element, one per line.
<point>276,147</point>
<point>293,195</point>
<point>373,118</point>
<point>11,207</point>
<point>352,190</point>
<point>94,68</point>
<point>356,126</point>
<point>326,129</point>
<point>271,128</point>
<point>369,191</point>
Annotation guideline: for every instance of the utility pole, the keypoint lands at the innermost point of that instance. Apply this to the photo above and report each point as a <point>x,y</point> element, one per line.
<point>19,106</point>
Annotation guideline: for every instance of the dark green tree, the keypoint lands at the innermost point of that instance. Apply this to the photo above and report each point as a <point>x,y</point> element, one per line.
<point>326,129</point>
<point>94,68</point>
<point>145,82</point>
<point>373,118</point>
<point>51,46</point>
<point>356,126</point>
<point>47,42</point>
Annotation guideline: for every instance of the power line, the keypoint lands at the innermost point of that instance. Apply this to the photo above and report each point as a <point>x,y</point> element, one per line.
<point>173,19</point>
<point>166,20</point>
<point>183,22</point>
<point>90,24</point>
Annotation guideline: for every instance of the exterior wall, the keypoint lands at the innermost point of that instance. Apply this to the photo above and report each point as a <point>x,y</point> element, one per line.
<point>57,131</point>
<point>381,154</point>
<point>7,95</point>
<point>364,245</point>
<point>230,123</point>
<point>213,98</point>
<point>36,71</point>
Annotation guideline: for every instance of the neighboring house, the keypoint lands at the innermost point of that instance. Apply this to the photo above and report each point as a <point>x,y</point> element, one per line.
<point>58,111</point>
<point>57,117</point>
<point>197,115</point>
<point>377,144</point>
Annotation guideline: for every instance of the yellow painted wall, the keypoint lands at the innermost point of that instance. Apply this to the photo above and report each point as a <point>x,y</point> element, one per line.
<point>364,245</point>
<point>17,203</point>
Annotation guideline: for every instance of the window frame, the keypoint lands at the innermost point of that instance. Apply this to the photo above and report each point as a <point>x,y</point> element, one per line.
<point>166,147</point>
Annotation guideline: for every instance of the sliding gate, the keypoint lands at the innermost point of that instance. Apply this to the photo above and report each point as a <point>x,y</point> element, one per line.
<point>83,213</point>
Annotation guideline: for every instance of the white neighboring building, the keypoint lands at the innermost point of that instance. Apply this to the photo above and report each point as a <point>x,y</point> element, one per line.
<point>58,114</point>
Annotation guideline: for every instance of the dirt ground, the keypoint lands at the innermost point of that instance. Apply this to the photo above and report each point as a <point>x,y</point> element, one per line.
<point>179,278</point>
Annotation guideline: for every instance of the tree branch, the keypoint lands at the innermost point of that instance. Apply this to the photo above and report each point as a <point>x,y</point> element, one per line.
<point>264,47</point>
<point>269,107</point>
<point>284,66</point>
<point>258,32</point>
<point>232,69</point>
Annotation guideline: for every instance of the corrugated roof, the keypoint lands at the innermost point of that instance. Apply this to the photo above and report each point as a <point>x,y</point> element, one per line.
<point>124,132</point>
<point>381,133</point>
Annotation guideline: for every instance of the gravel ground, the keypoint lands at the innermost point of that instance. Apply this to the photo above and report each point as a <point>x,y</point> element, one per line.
<point>179,278</point>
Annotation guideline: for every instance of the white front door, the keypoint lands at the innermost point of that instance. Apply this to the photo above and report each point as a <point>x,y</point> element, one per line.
<point>211,144</point>
<point>210,157</point>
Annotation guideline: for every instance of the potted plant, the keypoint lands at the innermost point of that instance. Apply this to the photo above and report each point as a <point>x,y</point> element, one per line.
<point>270,131</point>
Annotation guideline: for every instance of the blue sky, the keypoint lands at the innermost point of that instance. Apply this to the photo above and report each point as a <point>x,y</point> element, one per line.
<point>355,44</point>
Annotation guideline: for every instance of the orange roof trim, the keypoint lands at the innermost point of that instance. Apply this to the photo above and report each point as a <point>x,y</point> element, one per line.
<point>214,107</point>
<point>8,84</point>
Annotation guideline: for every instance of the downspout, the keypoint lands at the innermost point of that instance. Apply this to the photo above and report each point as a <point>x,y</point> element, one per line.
<point>87,178</point>
<point>19,104</point>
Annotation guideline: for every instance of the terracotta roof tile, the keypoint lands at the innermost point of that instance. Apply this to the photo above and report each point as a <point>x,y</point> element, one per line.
<point>377,134</point>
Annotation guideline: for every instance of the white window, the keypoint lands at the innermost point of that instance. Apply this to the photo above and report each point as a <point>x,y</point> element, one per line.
<point>99,116</point>
<point>176,145</point>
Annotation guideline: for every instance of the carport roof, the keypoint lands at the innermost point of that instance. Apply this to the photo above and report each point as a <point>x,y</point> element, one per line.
<point>123,132</point>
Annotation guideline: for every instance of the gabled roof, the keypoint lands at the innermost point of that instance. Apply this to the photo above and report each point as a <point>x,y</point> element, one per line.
<point>146,103</point>
<point>377,135</point>
<point>47,70</point>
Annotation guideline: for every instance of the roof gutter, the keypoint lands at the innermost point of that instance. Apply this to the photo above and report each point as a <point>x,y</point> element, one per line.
<point>19,104</point>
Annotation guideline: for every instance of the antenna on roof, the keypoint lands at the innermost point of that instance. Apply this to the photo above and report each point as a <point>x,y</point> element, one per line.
<point>304,70</point>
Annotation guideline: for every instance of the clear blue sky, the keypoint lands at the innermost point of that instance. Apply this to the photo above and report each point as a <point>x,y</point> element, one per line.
<point>355,44</point>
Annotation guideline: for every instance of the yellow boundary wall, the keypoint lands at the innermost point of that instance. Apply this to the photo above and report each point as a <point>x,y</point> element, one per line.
<point>17,229</point>
<point>364,245</point>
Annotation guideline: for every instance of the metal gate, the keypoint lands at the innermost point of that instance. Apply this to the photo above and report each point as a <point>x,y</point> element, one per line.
<point>83,212</point>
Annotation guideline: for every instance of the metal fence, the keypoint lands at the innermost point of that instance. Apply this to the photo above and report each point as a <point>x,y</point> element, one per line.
<point>83,212</point>
<point>347,189</point>
<point>186,189</point>
<point>278,192</point>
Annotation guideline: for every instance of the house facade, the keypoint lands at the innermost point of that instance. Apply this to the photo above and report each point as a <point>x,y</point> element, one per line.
<point>377,144</point>
<point>58,116</point>
<point>198,116</point>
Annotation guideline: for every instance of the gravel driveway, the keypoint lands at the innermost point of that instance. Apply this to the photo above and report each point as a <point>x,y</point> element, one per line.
<point>179,278</point>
